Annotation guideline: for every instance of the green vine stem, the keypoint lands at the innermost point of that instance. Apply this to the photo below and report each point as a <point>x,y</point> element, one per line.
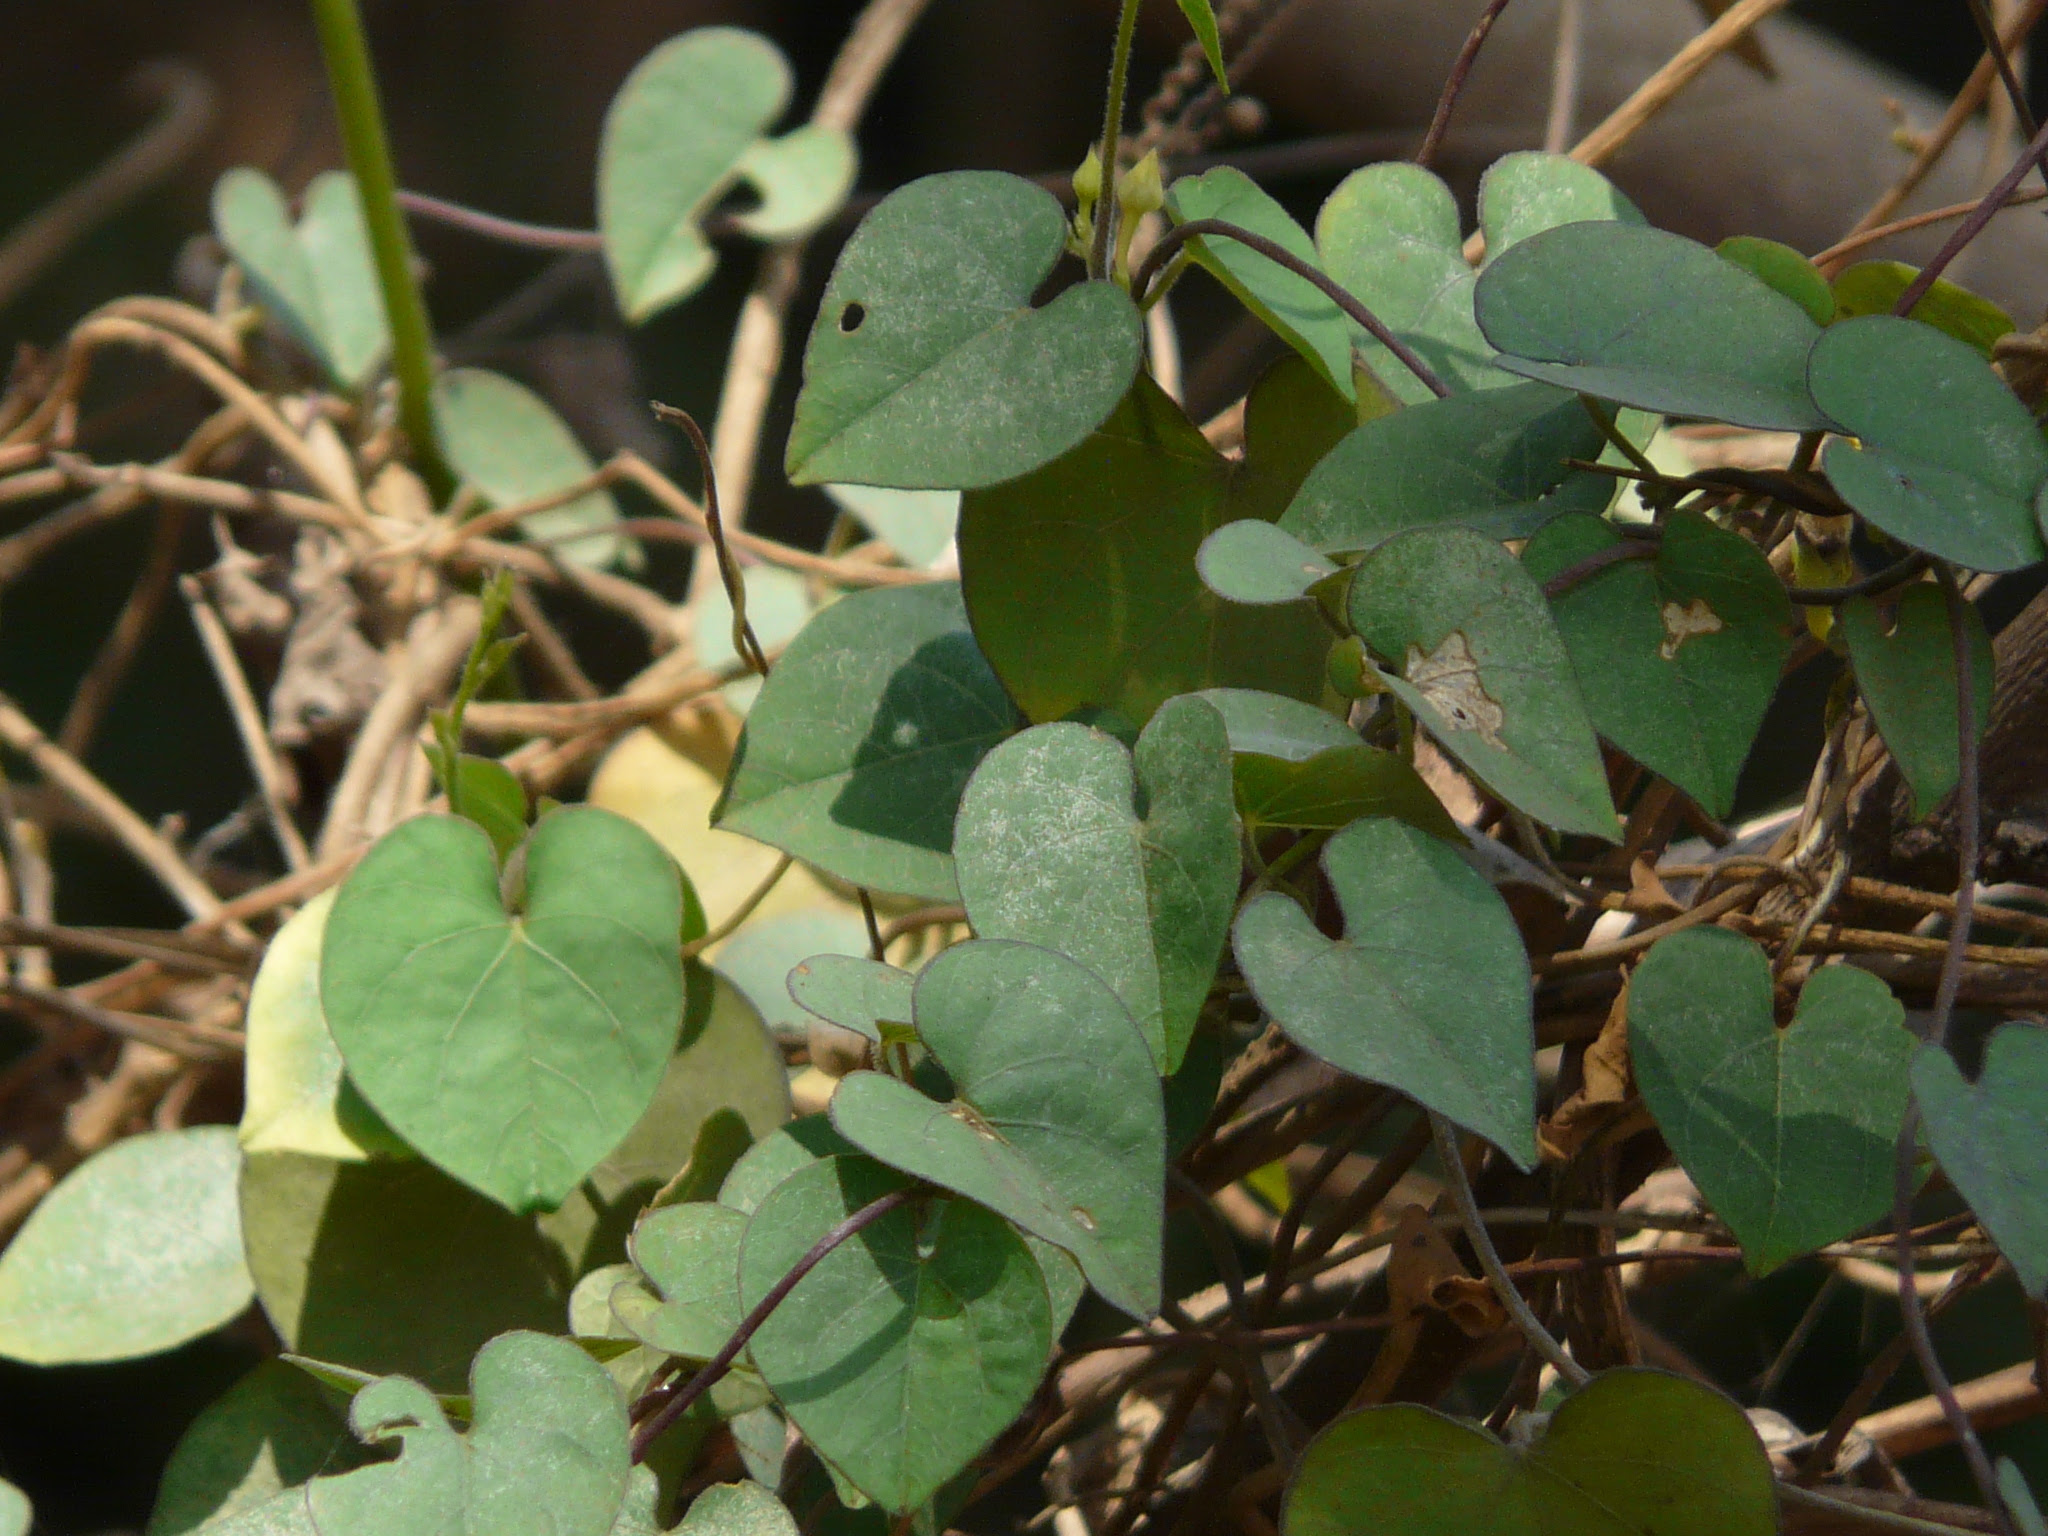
<point>353,83</point>
<point>1112,129</point>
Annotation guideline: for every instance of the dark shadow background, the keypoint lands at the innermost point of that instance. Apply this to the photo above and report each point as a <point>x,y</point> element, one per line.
<point>498,105</point>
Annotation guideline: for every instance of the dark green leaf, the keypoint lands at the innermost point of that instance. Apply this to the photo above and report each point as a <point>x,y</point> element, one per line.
<point>909,1347</point>
<point>1991,1137</point>
<point>683,130</point>
<point>272,1430</point>
<point>494,799</point>
<point>1427,992</point>
<point>318,280</point>
<point>1780,267</point>
<point>928,369</point>
<point>547,1451</point>
<point>1636,1451</point>
<point>1335,788</point>
<point>136,1251</point>
<point>1273,726</point>
<point>391,1266</point>
<point>1058,1124</point>
<point>1788,1132</point>
<point>510,446</point>
<point>1908,678</point>
<point>853,992</point>
<point>1481,664</point>
<point>1678,656</point>
<point>1949,460</point>
<point>855,754</point>
<point>1650,319</point>
<point>1054,850</point>
<point>514,1048</point>
<point>1875,288</point>
<point>1081,578</point>
<point>1492,461</point>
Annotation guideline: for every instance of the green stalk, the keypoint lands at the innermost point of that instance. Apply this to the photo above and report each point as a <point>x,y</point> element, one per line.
<point>353,83</point>
<point>1112,128</point>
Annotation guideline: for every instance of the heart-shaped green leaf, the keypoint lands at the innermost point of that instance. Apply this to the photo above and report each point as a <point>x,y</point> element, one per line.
<point>1527,192</point>
<point>1780,267</point>
<point>855,753</point>
<point>1054,850</point>
<point>272,1430</point>
<point>690,1255</point>
<point>1058,1123</point>
<point>514,1047</point>
<point>1081,578</point>
<point>853,992</point>
<point>1991,1137</point>
<point>1427,992</point>
<point>391,1266</point>
<point>508,443</point>
<point>1298,312</point>
<point>1788,1132</point>
<point>910,1346</point>
<point>1677,657</point>
<point>547,1450</point>
<point>1480,662</point>
<point>776,1156</point>
<point>317,279</point>
<point>1253,562</point>
<point>737,1509</point>
<point>136,1251</point>
<point>732,1072</point>
<point>1875,288</point>
<point>1492,461</point>
<point>295,1096</point>
<point>1908,678</point>
<point>928,369</point>
<point>1650,319</point>
<point>1335,788</point>
<point>1637,1451</point>
<point>1948,459</point>
<point>683,130</point>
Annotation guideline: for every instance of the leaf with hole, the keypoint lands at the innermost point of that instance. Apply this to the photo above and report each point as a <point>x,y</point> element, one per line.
<point>856,752</point>
<point>686,128</point>
<point>387,1266</point>
<point>1081,578</point>
<point>928,369</point>
<point>1875,288</point>
<point>1650,319</point>
<point>508,444</point>
<point>1780,267</point>
<point>1636,1451</point>
<point>1492,461</point>
<point>688,1303</point>
<point>1297,311</point>
<point>1991,1138</point>
<point>317,278</point>
<point>1946,458</point>
<point>295,1095</point>
<point>547,1450</point>
<point>854,992</point>
<point>514,1042</point>
<point>1058,1123</point>
<point>135,1251</point>
<point>1789,1133</point>
<point>1474,652</point>
<point>1908,678</point>
<point>272,1430</point>
<point>1125,861</point>
<point>1427,992</point>
<point>910,1346</point>
<point>1677,656</point>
